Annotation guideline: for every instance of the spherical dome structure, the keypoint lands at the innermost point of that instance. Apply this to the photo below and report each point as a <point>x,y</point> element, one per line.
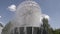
<point>28,14</point>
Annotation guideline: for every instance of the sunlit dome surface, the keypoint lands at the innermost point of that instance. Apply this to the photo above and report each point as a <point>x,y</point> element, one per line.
<point>28,13</point>
<point>29,3</point>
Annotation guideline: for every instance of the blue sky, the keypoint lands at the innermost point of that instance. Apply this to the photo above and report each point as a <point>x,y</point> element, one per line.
<point>49,7</point>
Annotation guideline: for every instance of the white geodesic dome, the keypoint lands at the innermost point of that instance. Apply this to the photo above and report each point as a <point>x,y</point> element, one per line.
<point>28,14</point>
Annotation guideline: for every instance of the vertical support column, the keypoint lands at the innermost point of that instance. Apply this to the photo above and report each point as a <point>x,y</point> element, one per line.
<point>32,30</point>
<point>18,30</point>
<point>25,30</point>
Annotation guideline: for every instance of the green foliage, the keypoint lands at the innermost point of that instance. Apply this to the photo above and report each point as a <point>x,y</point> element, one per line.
<point>46,27</point>
<point>6,28</point>
<point>56,31</point>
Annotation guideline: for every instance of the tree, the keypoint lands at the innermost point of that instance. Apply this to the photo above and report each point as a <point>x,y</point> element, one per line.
<point>6,28</point>
<point>46,27</point>
<point>56,31</point>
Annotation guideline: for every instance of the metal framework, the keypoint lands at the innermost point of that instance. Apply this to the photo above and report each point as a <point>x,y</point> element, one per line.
<point>28,15</point>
